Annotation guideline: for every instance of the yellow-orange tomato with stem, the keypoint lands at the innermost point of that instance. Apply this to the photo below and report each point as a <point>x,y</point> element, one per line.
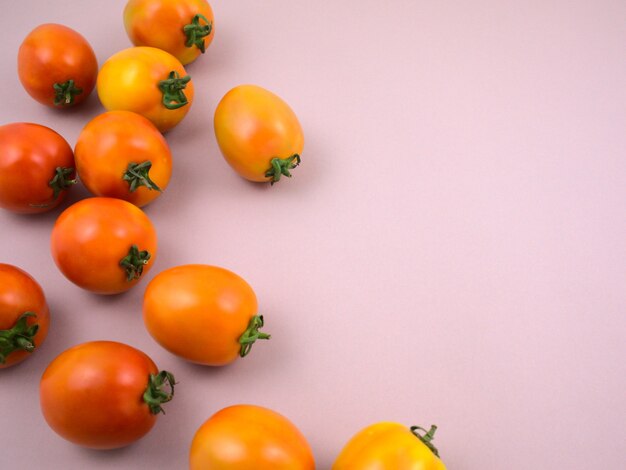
<point>123,155</point>
<point>184,28</point>
<point>390,446</point>
<point>258,134</point>
<point>204,314</point>
<point>147,81</point>
<point>245,437</point>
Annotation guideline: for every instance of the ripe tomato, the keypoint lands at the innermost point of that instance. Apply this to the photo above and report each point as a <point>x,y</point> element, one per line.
<point>24,316</point>
<point>57,66</point>
<point>245,437</point>
<point>103,244</point>
<point>184,28</point>
<point>204,314</point>
<point>258,134</point>
<point>36,168</point>
<point>147,81</point>
<point>122,155</point>
<point>103,394</point>
<point>390,446</point>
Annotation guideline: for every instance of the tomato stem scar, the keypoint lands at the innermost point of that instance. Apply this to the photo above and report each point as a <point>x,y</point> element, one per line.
<point>65,93</point>
<point>252,334</point>
<point>196,32</point>
<point>426,438</point>
<point>281,166</point>
<point>18,338</point>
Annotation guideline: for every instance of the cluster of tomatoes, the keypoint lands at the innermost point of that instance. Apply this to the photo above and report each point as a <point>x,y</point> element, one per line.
<point>105,394</point>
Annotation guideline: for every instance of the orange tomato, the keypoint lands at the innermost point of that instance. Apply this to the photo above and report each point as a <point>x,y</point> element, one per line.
<point>103,394</point>
<point>24,315</point>
<point>122,155</point>
<point>147,81</point>
<point>57,66</point>
<point>245,437</point>
<point>184,28</point>
<point>258,134</point>
<point>203,314</point>
<point>36,168</point>
<point>103,245</point>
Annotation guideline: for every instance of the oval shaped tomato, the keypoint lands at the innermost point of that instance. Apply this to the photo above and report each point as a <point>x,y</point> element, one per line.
<point>258,133</point>
<point>184,28</point>
<point>123,155</point>
<point>103,245</point>
<point>36,168</point>
<point>24,315</point>
<point>103,394</point>
<point>57,66</point>
<point>390,446</point>
<point>249,437</point>
<point>201,313</point>
<point>147,81</point>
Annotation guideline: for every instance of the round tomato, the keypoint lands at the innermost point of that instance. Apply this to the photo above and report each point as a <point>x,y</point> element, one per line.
<point>57,66</point>
<point>103,244</point>
<point>103,394</point>
<point>201,313</point>
<point>184,28</point>
<point>258,134</point>
<point>36,168</point>
<point>243,437</point>
<point>147,81</point>
<point>122,155</point>
<point>24,316</point>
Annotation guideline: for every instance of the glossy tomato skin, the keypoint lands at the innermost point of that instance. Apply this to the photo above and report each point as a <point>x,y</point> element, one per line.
<point>91,394</point>
<point>129,80</point>
<point>54,54</point>
<point>20,293</point>
<point>91,237</point>
<point>244,437</point>
<point>112,141</point>
<point>161,24</point>
<point>252,126</point>
<point>29,156</point>
<point>199,312</point>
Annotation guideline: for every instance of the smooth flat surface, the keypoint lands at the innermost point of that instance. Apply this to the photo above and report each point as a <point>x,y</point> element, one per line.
<point>451,251</point>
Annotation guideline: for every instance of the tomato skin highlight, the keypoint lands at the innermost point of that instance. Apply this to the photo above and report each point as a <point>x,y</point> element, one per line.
<point>54,54</point>
<point>244,437</point>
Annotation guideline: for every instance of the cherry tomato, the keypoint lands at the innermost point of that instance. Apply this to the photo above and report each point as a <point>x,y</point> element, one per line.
<point>36,168</point>
<point>103,244</point>
<point>57,66</point>
<point>201,313</point>
<point>258,133</point>
<point>245,437</point>
<point>147,81</point>
<point>184,28</point>
<point>121,154</point>
<point>103,394</point>
<point>24,316</point>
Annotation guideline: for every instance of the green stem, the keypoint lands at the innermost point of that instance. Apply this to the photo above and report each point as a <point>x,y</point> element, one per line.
<point>19,338</point>
<point>247,339</point>
<point>137,174</point>
<point>172,89</point>
<point>60,181</point>
<point>196,32</point>
<point>134,262</point>
<point>281,166</point>
<point>65,92</point>
<point>154,397</point>
<point>427,437</point>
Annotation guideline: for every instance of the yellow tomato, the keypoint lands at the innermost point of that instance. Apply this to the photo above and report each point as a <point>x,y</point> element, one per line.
<point>147,81</point>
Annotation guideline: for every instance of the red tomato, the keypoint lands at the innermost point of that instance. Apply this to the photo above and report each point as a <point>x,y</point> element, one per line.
<point>103,394</point>
<point>24,316</point>
<point>57,66</point>
<point>36,168</point>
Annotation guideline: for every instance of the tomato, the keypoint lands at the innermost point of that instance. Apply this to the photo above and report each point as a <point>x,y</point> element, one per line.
<point>147,81</point>
<point>184,28</point>
<point>245,437</point>
<point>36,168</point>
<point>103,394</point>
<point>103,245</point>
<point>121,154</point>
<point>201,313</point>
<point>24,315</point>
<point>258,133</point>
<point>390,446</point>
<point>57,66</point>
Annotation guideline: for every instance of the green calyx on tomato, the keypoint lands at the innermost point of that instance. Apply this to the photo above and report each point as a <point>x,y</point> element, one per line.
<point>65,92</point>
<point>172,89</point>
<point>134,262</point>
<point>137,174</point>
<point>196,32</point>
<point>427,437</point>
<point>60,181</point>
<point>18,338</point>
<point>281,166</point>
<point>154,396</point>
<point>249,336</point>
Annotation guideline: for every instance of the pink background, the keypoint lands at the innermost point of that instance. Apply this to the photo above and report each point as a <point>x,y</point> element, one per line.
<point>451,250</point>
